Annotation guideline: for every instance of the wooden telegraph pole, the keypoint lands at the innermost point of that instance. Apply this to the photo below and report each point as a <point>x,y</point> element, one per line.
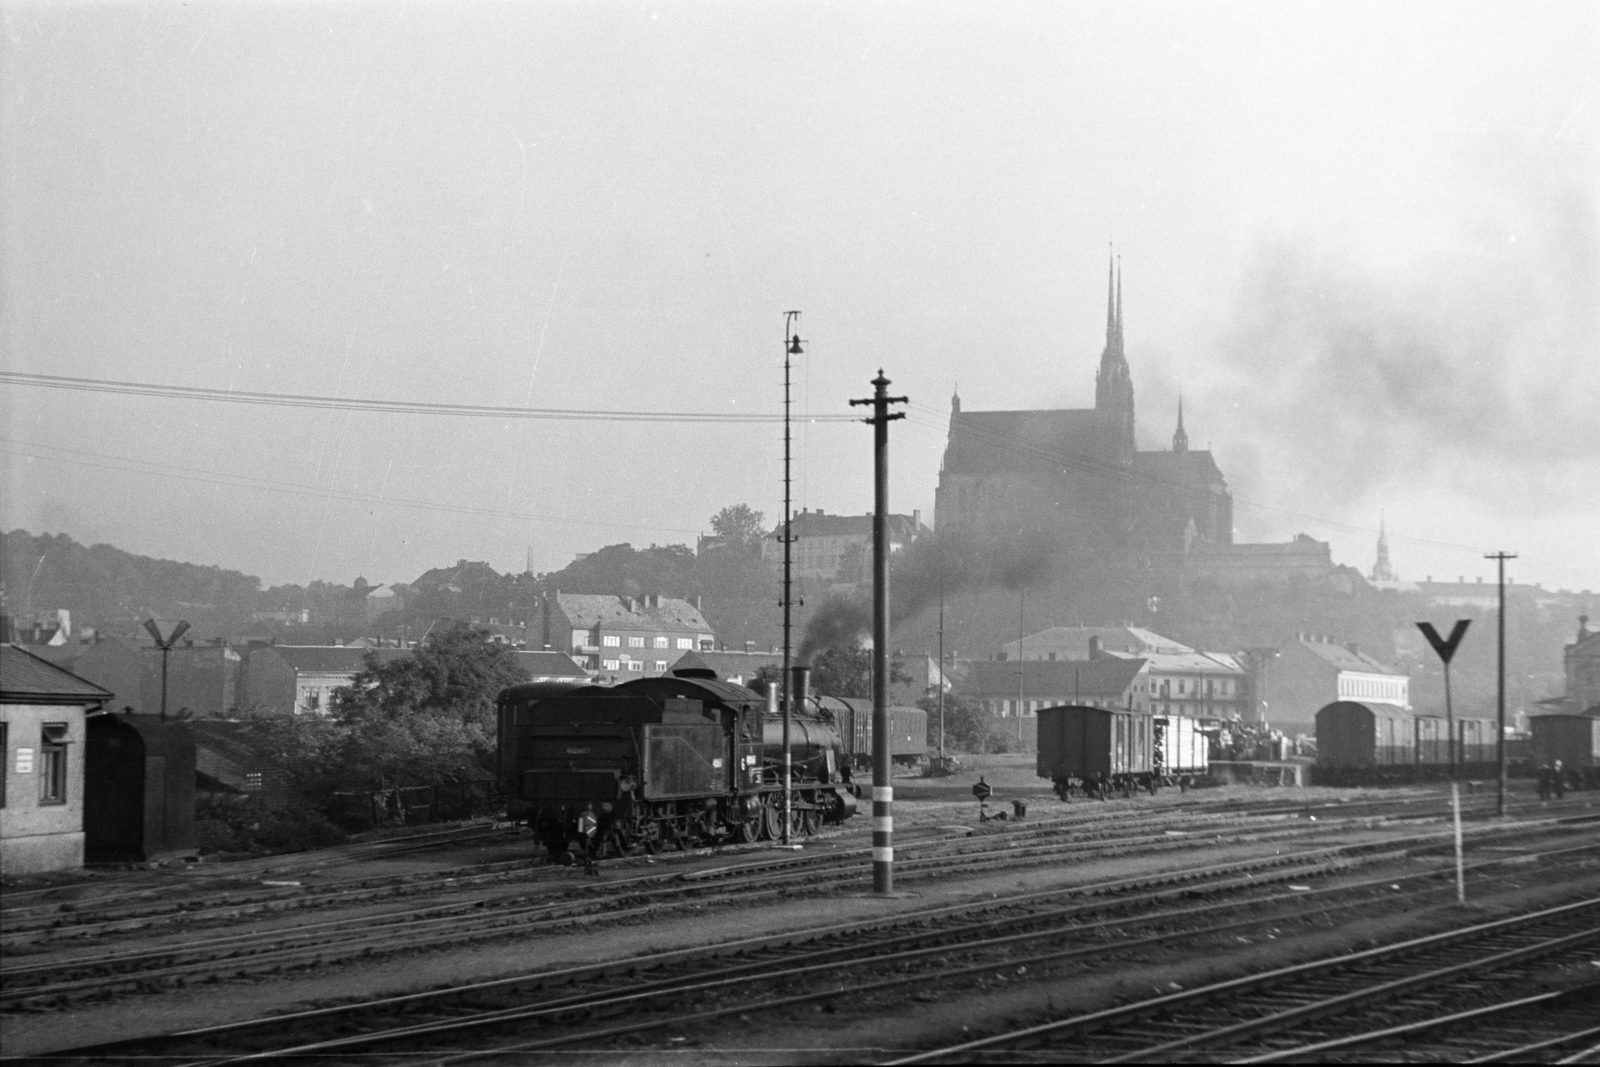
<point>1500,689</point>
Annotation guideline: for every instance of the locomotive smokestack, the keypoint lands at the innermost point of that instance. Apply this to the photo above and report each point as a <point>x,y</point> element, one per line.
<point>800,686</point>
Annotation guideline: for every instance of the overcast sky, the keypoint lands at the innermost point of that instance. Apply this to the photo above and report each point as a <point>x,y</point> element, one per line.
<point>1362,239</point>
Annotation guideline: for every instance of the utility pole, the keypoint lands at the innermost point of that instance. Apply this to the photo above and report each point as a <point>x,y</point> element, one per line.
<point>882,787</point>
<point>940,679</point>
<point>1022,598</point>
<point>165,645</point>
<point>1500,735</point>
<point>791,347</point>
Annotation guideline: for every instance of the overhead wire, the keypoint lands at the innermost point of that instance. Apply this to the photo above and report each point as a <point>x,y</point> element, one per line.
<point>397,407</point>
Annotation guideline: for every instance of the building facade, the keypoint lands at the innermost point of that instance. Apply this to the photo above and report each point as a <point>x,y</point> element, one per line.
<point>835,548</point>
<point>1012,689</point>
<point>1582,662</point>
<point>1311,672</point>
<point>621,638</point>
<point>43,718</point>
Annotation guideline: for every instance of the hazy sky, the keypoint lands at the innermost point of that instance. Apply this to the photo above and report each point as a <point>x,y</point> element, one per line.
<point>1362,240</point>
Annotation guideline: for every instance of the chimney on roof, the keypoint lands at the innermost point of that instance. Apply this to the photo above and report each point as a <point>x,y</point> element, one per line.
<point>1355,649</point>
<point>1095,651</point>
<point>696,602</point>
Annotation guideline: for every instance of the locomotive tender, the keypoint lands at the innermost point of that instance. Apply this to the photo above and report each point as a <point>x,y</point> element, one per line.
<point>676,761</point>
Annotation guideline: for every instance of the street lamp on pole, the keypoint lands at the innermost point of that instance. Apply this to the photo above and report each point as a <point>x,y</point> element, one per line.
<point>791,348</point>
<point>165,645</point>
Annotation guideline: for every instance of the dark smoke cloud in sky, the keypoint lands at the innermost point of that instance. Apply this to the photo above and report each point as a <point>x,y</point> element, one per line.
<point>1476,369</point>
<point>933,565</point>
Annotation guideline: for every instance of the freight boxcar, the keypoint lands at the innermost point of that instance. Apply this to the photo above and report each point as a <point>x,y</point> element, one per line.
<point>1574,740</point>
<point>908,729</point>
<point>1097,751</point>
<point>1364,743</point>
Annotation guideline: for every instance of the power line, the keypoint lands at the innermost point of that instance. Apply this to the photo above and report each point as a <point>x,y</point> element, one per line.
<point>243,481</point>
<point>390,407</point>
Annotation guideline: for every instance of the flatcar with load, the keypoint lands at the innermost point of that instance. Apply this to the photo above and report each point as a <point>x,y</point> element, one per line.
<point>1182,751</point>
<point>680,760</point>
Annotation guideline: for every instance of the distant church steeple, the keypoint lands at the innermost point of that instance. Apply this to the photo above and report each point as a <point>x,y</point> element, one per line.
<point>1113,385</point>
<point>1381,569</point>
<point>1180,439</point>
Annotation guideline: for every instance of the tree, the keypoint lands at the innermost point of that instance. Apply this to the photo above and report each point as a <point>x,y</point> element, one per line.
<point>966,724</point>
<point>846,671</point>
<point>739,526</point>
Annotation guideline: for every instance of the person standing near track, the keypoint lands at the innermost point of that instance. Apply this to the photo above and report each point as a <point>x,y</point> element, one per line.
<point>588,826</point>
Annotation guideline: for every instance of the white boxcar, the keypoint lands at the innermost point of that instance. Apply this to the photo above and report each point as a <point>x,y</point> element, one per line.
<point>1182,747</point>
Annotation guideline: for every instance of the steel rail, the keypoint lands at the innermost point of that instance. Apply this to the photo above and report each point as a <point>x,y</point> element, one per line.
<point>1180,877</point>
<point>937,942</point>
<point>1156,1005</point>
<point>1523,1053</point>
<point>274,951</point>
<point>524,1014</point>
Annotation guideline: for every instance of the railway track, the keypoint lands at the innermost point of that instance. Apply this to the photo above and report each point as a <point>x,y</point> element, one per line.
<point>916,949</point>
<point>1268,1016</point>
<point>43,982</point>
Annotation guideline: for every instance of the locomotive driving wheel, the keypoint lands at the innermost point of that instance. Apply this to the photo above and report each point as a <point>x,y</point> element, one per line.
<point>748,828</point>
<point>772,817</point>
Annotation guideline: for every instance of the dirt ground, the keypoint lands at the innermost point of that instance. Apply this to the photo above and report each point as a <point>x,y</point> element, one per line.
<point>924,807</point>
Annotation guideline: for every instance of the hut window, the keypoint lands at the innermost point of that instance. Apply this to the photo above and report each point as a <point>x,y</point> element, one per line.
<point>53,764</point>
<point>252,780</point>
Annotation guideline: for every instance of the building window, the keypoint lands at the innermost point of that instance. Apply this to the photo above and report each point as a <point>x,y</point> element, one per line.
<point>636,665</point>
<point>611,641</point>
<point>612,664</point>
<point>252,780</point>
<point>635,642</point>
<point>661,664</point>
<point>53,764</point>
<point>661,642</point>
<point>684,642</point>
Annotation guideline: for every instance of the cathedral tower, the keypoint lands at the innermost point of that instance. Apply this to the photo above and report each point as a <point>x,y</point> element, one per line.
<point>1113,385</point>
<point>1180,439</point>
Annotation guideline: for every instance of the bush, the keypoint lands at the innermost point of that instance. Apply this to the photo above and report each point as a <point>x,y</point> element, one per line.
<point>249,824</point>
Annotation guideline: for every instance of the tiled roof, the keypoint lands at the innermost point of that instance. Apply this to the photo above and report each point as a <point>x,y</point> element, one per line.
<point>818,524</point>
<point>1200,662</point>
<point>26,678</point>
<point>1051,678</point>
<point>1074,640</point>
<point>550,665</point>
<point>669,613</point>
<point>334,659</point>
<point>1343,659</point>
<point>989,442</point>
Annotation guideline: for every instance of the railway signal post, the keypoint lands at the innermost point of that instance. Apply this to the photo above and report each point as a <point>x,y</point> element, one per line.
<point>1500,688</point>
<point>1446,648</point>
<point>165,645</point>
<point>791,347</point>
<point>882,788</point>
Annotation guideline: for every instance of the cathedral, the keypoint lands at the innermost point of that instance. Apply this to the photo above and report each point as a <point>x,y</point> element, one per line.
<point>1079,474</point>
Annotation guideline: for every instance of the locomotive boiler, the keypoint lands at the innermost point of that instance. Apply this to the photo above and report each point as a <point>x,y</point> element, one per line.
<point>671,762</point>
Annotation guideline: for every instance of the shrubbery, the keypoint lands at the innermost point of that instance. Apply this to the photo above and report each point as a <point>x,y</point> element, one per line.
<point>249,824</point>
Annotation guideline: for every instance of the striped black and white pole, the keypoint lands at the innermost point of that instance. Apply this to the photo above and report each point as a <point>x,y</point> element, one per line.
<point>882,789</point>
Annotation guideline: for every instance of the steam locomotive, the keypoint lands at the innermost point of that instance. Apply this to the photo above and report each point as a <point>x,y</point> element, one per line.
<point>671,762</point>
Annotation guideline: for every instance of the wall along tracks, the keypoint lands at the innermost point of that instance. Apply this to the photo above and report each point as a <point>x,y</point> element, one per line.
<point>916,950</point>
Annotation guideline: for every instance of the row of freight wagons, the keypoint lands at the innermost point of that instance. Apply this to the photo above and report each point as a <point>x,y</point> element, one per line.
<point>908,729</point>
<point>1359,742</point>
<point>1089,750</point>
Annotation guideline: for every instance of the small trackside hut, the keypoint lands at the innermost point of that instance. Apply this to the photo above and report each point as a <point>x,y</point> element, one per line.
<point>677,761</point>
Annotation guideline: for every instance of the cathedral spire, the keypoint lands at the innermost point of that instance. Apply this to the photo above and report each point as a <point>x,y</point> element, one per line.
<point>1112,325</point>
<point>1119,302</point>
<point>1382,571</point>
<point>1180,439</point>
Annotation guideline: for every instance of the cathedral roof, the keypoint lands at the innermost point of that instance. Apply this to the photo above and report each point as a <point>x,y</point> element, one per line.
<point>991,442</point>
<point>1177,466</point>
